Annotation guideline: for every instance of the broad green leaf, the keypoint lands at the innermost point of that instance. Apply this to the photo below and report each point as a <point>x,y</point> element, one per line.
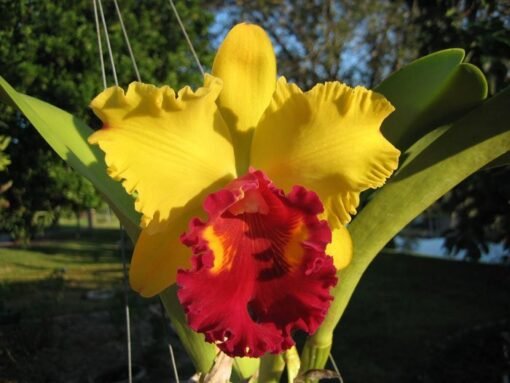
<point>67,135</point>
<point>434,165</point>
<point>432,91</point>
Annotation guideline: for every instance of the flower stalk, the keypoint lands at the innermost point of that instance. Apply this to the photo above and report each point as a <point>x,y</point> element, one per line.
<point>291,357</point>
<point>271,368</point>
<point>315,353</point>
<point>318,346</point>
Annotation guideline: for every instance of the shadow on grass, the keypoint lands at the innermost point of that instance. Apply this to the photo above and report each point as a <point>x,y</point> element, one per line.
<point>397,326</point>
<point>51,332</point>
<point>52,329</point>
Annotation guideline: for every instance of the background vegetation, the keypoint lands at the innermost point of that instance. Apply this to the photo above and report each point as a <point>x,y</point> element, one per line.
<point>49,50</point>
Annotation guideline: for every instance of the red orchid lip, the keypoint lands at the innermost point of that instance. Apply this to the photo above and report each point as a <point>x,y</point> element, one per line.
<point>260,270</point>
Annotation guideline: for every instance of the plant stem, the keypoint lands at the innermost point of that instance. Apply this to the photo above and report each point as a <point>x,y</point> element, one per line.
<point>315,354</point>
<point>318,346</point>
<point>271,368</point>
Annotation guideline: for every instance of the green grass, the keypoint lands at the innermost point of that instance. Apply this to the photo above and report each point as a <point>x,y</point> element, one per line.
<point>60,271</point>
<point>411,319</point>
<point>101,220</point>
<point>82,261</point>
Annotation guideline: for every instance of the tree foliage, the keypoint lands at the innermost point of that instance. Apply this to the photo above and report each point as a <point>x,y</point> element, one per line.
<point>482,28</point>
<point>4,161</point>
<point>480,213</point>
<point>50,51</point>
<point>356,41</point>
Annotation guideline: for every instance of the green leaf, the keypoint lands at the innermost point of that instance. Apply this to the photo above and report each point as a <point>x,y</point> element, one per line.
<point>67,135</point>
<point>434,165</point>
<point>432,91</point>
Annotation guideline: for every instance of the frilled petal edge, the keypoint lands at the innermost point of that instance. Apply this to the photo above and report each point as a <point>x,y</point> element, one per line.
<point>161,144</point>
<point>327,139</point>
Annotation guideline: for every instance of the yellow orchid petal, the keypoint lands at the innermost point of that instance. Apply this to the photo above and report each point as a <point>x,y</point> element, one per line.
<point>169,149</point>
<point>328,140</point>
<point>340,247</point>
<point>157,257</point>
<point>246,63</point>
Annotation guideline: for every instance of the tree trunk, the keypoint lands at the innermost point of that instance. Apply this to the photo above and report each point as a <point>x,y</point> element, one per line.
<point>90,219</point>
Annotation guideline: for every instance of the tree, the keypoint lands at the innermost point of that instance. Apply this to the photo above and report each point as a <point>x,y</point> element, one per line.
<point>357,42</point>
<point>479,27</point>
<point>49,50</point>
<point>4,161</point>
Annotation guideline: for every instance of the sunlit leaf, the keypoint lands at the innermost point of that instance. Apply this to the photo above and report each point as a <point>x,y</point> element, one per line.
<point>432,91</point>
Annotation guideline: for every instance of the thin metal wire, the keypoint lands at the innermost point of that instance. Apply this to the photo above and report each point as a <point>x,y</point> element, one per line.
<point>335,367</point>
<point>183,29</point>
<point>174,365</point>
<point>167,336</point>
<point>126,302</point>
<point>99,44</point>
<point>108,45</point>
<point>122,233</point>
<point>126,38</point>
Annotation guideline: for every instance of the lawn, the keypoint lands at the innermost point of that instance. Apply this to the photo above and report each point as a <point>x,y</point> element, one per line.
<point>62,313</point>
<point>65,265</point>
<point>411,320</point>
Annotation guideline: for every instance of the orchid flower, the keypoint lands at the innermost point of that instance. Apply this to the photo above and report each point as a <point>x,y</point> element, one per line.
<point>245,187</point>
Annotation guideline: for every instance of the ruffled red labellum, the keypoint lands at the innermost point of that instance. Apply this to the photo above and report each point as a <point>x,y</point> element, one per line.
<point>259,267</point>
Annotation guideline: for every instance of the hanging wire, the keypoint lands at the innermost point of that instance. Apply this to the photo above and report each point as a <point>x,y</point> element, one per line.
<point>99,44</point>
<point>335,367</point>
<point>108,45</point>
<point>174,365</point>
<point>126,302</point>
<point>166,331</point>
<point>122,233</point>
<point>183,29</point>
<point>126,38</point>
